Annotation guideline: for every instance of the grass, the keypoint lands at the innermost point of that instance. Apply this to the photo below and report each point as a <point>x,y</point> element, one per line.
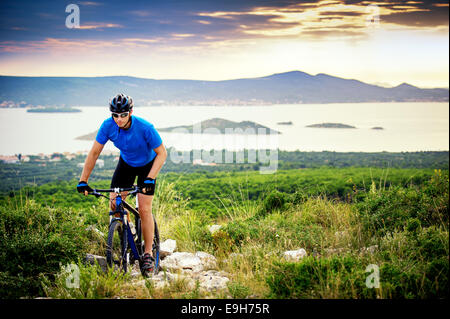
<point>401,230</point>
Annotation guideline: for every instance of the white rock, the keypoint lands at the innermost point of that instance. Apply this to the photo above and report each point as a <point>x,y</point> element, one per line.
<point>214,228</point>
<point>188,262</point>
<point>167,248</point>
<point>208,261</point>
<point>182,261</point>
<point>295,255</point>
<point>213,281</point>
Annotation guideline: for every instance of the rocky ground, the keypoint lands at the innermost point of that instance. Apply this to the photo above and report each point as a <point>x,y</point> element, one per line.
<point>197,270</point>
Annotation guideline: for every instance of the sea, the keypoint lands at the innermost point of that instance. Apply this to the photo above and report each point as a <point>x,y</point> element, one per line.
<point>406,127</point>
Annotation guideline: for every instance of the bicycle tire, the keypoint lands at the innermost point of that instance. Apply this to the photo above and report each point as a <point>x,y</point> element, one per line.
<point>116,247</point>
<point>155,248</point>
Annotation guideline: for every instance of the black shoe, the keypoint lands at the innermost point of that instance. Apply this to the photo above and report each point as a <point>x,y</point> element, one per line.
<point>148,265</point>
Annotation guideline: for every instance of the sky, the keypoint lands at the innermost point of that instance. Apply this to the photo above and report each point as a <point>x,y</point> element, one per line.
<point>379,42</point>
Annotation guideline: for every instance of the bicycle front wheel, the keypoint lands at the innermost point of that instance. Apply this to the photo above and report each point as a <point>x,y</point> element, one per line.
<point>116,248</point>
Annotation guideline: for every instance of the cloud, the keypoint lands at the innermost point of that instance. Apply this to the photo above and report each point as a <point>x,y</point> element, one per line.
<point>328,19</point>
<point>198,22</point>
<point>99,26</point>
<point>90,3</point>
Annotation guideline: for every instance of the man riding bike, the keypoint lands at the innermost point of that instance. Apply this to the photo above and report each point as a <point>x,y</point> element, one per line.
<point>142,154</point>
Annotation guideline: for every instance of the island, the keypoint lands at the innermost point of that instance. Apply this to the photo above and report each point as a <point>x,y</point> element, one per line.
<point>377,128</point>
<point>285,123</point>
<point>55,109</point>
<point>330,125</point>
<point>241,128</point>
<point>244,127</point>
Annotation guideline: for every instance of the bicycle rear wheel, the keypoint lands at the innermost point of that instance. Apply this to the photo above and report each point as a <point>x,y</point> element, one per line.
<point>155,246</point>
<point>117,246</point>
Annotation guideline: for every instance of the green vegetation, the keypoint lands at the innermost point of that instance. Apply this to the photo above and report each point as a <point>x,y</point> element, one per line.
<point>345,219</point>
<point>40,171</point>
<point>35,239</point>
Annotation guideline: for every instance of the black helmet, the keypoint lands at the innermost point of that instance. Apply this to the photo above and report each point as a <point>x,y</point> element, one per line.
<point>121,103</point>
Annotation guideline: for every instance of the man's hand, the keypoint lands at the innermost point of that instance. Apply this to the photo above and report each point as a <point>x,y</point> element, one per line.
<point>148,187</point>
<point>83,187</point>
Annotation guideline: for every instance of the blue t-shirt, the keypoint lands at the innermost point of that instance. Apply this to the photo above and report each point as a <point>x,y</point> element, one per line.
<point>136,144</point>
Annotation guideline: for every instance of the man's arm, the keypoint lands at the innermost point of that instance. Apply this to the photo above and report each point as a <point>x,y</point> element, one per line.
<point>91,159</point>
<point>161,156</point>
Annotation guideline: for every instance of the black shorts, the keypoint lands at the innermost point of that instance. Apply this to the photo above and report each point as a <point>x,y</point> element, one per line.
<point>125,175</point>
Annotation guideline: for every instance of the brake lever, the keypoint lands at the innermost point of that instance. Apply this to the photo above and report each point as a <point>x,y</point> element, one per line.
<point>95,194</point>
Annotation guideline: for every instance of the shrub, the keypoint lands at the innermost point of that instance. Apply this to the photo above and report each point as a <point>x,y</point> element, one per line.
<point>384,211</point>
<point>334,277</point>
<point>413,225</point>
<point>299,197</point>
<point>432,283</point>
<point>240,231</point>
<point>432,243</point>
<point>34,241</point>
<point>275,200</point>
<point>238,290</point>
<point>415,263</point>
<point>92,283</point>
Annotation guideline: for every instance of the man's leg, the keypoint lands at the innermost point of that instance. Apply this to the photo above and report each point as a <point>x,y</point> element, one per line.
<point>147,223</point>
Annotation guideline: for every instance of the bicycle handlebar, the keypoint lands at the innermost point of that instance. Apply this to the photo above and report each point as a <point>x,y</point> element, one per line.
<point>133,190</point>
<point>117,190</point>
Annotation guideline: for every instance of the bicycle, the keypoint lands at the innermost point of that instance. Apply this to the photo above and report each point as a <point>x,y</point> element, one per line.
<point>123,247</point>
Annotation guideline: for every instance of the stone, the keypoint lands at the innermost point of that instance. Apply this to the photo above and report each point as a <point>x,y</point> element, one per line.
<point>214,228</point>
<point>92,259</point>
<point>208,261</point>
<point>167,248</point>
<point>191,271</point>
<point>295,255</point>
<point>212,280</point>
<point>182,261</point>
<point>188,262</point>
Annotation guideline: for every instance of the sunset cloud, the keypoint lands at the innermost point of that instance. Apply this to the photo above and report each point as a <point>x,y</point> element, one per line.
<point>377,40</point>
<point>99,26</point>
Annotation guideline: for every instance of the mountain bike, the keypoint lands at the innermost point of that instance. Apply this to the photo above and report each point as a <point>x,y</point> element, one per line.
<point>123,246</point>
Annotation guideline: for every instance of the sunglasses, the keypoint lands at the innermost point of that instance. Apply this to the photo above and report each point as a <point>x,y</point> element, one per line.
<point>122,115</point>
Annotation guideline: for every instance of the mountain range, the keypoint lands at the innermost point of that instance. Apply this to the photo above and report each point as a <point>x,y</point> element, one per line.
<point>283,88</point>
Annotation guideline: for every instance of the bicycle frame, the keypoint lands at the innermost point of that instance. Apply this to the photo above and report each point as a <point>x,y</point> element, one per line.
<point>124,219</point>
<point>121,215</point>
<point>119,209</point>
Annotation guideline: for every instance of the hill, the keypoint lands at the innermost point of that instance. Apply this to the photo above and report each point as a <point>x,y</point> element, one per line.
<point>282,88</point>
